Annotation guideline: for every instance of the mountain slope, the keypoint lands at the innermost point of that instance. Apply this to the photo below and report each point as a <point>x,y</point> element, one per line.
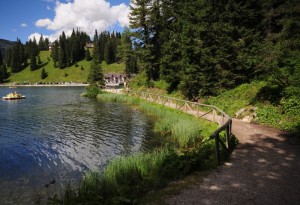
<point>5,44</point>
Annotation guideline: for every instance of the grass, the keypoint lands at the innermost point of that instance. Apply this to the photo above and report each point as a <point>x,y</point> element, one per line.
<point>272,109</point>
<point>76,74</point>
<point>122,182</point>
<point>184,129</point>
<point>233,100</point>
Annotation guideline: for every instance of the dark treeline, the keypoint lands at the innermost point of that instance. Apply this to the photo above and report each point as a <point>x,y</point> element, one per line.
<point>3,69</point>
<point>202,47</point>
<point>67,51</point>
<point>105,44</point>
<point>16,57</point>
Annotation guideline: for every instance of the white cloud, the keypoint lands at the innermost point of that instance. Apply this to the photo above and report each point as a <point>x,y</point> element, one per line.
<point>51,37</point>
<point>87,15</point>
<point>23,25</point>
<point>43,22</point>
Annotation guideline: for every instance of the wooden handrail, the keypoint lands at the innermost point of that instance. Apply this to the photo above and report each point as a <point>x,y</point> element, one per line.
<point>188,106</point>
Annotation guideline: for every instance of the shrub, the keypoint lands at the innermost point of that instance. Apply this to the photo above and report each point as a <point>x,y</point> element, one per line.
<point>92,91</point>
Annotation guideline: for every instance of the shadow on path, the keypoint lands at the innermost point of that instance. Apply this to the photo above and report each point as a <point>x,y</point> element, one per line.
<point>264,169</point>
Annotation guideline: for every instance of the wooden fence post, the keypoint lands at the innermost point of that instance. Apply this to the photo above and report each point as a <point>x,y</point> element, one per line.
<point>214,115</point>
<point>217,149</point>
<point>228,137</point>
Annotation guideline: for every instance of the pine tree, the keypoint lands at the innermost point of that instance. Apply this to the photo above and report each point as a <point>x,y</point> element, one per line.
<point>33,52</point>
<point>171,55</point>
<point>42,44</point>
<point>140,23</point>
<point>126,54</point>
<point>33,64</point>
<point>43,74</point>
<point>55,53</point>
<point>96,75</point>
<point>1,58</point>
<point>62,52</point>
<point>1,75</point>
<point>8,56</point>
<point>46,44</point>
<point>281,49</point>
<point>17,57</point>
<point>103,39</point>
<point>96,55</point>
<point>88,55</point>
<point>110,52</point>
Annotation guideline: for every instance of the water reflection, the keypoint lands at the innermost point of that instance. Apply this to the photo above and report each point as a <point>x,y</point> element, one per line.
<point>55,136</point>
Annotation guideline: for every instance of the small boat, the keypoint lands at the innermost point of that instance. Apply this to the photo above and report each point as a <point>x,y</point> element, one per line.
<point>13,96</point>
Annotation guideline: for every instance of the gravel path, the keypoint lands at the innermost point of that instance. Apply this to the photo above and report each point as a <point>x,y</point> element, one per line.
<point>264,169</point>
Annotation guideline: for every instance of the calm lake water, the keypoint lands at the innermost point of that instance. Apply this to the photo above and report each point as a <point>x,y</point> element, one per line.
<point>54,134</point>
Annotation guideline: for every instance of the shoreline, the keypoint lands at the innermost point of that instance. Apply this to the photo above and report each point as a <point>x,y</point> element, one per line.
<point>46,85</point>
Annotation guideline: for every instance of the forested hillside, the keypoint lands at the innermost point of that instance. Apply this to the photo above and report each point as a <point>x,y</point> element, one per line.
<point>21,62</point>
<point>203,47</point>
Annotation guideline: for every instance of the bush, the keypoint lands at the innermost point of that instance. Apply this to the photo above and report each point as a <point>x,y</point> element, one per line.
<point>268,114</point>
<point>92,91</point>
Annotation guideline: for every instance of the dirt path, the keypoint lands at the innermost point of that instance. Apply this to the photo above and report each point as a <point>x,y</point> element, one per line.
<point>264,169</point>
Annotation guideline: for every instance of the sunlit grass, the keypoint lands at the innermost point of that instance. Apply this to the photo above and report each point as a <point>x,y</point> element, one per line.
<point>185,129</point>
<point>75,74</point>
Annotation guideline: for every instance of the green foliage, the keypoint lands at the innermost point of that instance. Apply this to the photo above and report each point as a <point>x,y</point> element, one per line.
<point>17,58</point>
<point>105,46</point>
<point>96,74</point>
<point>140,81</point>
<point>269,114</point>
<point>126,54</point>
<point>92,91</point>
<point>233,100</point>
<point>232,43</point>
<point>43,74</point>
<point>88,56</point>
<point>291,114</point>
<point>273,108</point>
<point>109,97</point>
<point>161,84</point>
<point>221,52</point>
<point>3,73</point>
<point>185,130</point>
<point>127,178</point>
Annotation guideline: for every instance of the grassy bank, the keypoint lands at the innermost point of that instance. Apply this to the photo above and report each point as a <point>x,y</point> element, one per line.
<point>184,130</point>
<point>262,101</point>
<point>269,107</point>
<point>181,150</point>
<point>76,74</point>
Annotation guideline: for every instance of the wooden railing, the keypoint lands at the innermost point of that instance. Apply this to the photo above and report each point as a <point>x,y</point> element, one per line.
<point>208,112</point>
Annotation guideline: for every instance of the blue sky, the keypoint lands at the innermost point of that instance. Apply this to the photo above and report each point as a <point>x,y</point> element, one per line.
<point>27,18</point>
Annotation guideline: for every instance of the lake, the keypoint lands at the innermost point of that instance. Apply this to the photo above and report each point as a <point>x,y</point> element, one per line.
<point>54,136</point>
